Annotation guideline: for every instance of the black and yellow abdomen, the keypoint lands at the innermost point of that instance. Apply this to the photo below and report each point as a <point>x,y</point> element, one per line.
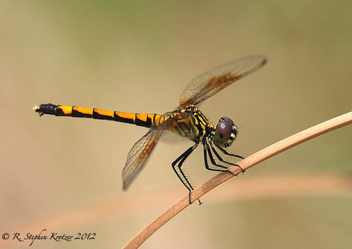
<point>149,120</point>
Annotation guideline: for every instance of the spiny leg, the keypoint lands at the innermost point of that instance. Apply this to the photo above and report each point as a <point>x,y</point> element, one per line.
<point>207,153</point>
<point>179,161</point>
<point>228,154</point>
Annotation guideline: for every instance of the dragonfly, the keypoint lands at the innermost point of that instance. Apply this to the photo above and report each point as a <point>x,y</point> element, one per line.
<point>186,120</point>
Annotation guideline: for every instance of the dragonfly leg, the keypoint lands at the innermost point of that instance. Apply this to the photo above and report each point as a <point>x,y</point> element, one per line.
<point>180,174</point>
<point>218,167</point>
<point>228,154</point>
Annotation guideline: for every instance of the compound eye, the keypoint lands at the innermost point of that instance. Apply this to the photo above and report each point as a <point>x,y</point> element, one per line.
<point>228,120</point>
<point>224,129</point>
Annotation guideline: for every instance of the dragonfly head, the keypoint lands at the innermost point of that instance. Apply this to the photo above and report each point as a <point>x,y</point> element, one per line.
<point>225,132</point>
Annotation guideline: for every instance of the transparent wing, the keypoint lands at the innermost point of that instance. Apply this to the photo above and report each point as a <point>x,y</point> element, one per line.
<point>209,83</point>
<point>138,155</point>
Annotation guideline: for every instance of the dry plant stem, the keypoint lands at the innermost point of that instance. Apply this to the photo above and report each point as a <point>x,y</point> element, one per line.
<point>250,161</point>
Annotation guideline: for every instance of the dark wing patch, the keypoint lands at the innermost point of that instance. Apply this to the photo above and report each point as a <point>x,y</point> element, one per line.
<point>209,83</point>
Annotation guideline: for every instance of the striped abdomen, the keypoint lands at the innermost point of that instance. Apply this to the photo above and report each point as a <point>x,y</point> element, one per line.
<point>147,120</point>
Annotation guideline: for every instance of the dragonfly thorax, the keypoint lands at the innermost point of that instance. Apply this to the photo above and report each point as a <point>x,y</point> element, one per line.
<point>189,122</point>
<point>225,132</point>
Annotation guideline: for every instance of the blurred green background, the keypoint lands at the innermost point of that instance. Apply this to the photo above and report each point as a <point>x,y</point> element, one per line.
<point>64,174</point>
